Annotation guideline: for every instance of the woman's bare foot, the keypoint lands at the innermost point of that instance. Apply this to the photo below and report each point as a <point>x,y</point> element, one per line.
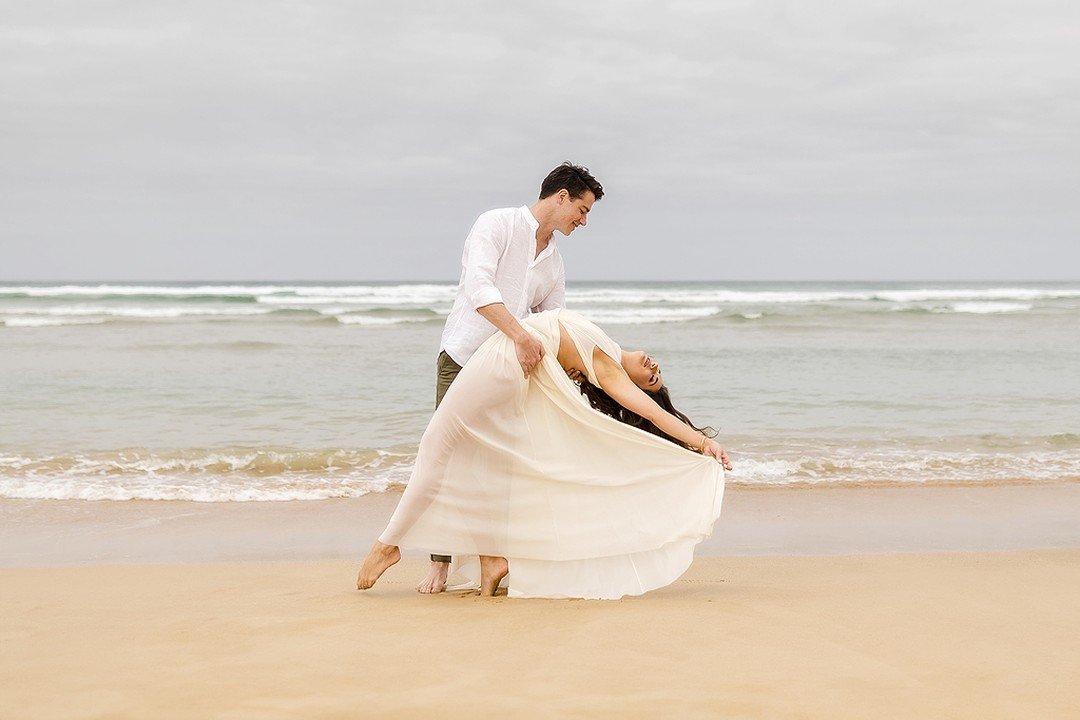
<point>378,560</point>
<point>435,582</point>
<point>492,571</point>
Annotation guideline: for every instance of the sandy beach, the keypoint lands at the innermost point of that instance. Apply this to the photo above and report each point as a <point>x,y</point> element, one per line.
<point>985,635</point>
<point>756,520</point>
<point>911,602</point>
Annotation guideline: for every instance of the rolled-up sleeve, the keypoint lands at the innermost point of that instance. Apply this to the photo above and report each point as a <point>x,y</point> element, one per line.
<point>483,248</point>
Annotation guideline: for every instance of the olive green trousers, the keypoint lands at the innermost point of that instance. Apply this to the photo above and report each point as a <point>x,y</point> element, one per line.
<point>446,371</point>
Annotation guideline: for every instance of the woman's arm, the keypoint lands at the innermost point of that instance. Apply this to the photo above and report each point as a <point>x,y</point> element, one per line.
<point>617,384</point>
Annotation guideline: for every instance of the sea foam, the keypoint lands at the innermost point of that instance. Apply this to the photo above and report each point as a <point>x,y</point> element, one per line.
<point>33,322</point>
<point>375,304</point>
<point>248,475</point>
<point>204,475</point>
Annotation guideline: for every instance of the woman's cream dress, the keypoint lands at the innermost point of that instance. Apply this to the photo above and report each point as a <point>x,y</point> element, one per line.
<point>581,505</point>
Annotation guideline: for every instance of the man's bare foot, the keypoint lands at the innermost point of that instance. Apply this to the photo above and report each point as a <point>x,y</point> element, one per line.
<point>435,582</point>
<point>381,557</point>
<point>492,571</point>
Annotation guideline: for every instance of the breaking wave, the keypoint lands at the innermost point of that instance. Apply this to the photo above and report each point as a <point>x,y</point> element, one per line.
<point>205,475</point>
<point>280,474</point>
<point>385,304</point>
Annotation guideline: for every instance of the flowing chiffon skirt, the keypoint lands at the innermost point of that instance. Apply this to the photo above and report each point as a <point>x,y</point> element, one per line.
<point>579,503</point>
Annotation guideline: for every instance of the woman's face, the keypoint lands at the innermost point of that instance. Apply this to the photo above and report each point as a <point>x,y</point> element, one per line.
<point>643,370</point>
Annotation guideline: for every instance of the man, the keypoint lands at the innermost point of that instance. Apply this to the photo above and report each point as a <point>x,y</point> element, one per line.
<point>510,267</point>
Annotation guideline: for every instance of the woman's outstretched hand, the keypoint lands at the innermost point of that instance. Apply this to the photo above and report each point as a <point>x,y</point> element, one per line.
<point>714,450</point>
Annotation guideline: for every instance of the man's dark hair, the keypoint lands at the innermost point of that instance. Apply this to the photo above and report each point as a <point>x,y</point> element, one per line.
<point>575,178</point>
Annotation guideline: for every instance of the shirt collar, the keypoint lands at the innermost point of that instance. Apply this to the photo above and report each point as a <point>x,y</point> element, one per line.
<point>535,224</point>
<point>529,218</point>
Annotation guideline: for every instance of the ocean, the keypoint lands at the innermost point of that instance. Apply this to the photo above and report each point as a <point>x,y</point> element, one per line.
<point>220,392</point>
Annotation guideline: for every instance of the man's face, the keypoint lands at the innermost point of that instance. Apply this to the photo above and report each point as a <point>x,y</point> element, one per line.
<point>573,212</point>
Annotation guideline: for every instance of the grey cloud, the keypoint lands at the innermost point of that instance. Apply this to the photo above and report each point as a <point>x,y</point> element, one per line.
<point>358,140</point>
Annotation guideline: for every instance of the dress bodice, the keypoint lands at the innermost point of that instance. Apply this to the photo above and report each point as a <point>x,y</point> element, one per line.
<point>584,334</point>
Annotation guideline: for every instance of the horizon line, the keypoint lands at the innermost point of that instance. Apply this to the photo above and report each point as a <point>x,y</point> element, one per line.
<point>67,281</point>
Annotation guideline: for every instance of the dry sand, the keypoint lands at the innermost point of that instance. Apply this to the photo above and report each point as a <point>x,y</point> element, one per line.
<point>927,635</point>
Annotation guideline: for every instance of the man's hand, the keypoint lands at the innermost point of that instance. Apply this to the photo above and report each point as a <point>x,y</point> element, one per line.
<point>529,349</point>
<point>713,449</point>
<point>529,352</point>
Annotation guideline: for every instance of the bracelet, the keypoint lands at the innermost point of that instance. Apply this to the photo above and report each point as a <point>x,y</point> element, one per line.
<point>704,440</point>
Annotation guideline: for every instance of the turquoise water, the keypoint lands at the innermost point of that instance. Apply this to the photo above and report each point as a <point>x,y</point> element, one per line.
<point>274,391</point>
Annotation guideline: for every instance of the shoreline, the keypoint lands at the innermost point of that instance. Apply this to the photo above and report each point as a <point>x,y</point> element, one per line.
<point>756,520</point>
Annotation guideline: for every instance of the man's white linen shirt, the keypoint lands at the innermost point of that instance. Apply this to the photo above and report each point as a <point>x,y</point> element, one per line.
<point>500,264</point>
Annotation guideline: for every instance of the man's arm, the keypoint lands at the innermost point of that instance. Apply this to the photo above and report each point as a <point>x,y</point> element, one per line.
<point>483,250</point>
<point>529,349</point>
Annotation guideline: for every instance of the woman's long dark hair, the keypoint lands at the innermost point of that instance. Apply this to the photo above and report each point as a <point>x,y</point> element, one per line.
<point>603,402</point>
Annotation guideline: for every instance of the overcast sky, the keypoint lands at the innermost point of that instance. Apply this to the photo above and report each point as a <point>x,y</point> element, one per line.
<point>355,140</point>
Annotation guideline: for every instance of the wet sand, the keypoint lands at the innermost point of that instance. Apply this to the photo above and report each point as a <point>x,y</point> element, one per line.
<point>832,520</point>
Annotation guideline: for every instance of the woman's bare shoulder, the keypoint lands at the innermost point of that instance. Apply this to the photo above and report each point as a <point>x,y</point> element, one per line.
<point>604,363</point>
<point>569,357</point>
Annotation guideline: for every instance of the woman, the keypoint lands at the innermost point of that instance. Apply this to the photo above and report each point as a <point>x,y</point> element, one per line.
<point>529,476</point>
